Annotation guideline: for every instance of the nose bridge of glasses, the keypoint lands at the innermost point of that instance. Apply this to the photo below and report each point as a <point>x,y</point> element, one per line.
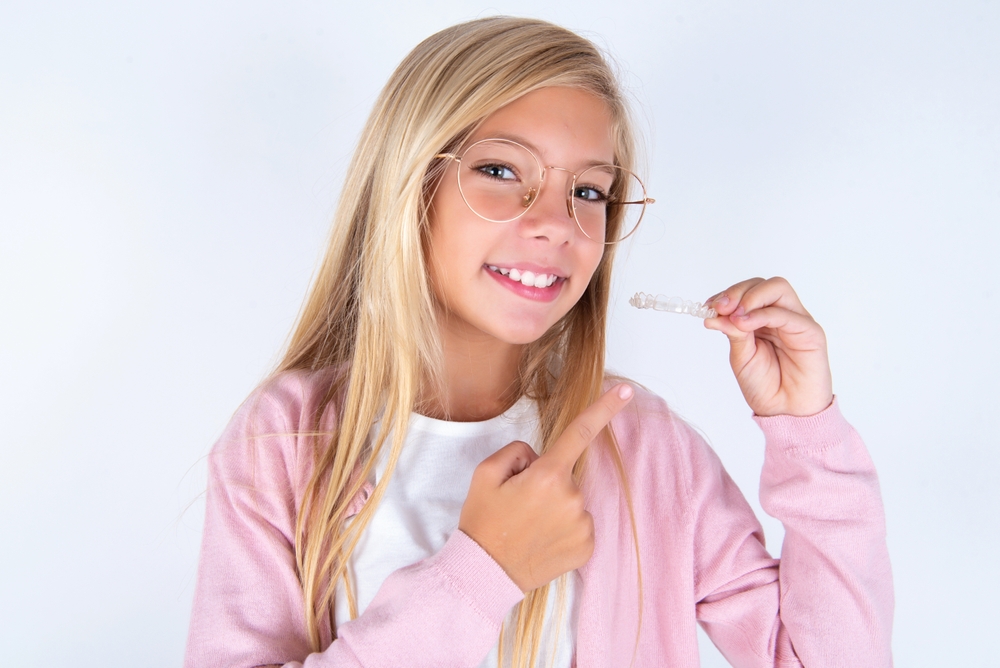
<point>568,191</point>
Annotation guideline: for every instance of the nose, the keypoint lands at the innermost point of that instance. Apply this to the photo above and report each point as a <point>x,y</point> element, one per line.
<point>550,215</point>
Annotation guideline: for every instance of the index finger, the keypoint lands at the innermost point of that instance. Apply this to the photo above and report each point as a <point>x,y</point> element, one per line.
<point>756,293</point>
<point>775,291</point>
<point>587,425</point>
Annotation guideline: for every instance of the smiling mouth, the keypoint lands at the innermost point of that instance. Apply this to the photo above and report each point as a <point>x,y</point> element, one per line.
<point>528,278</point>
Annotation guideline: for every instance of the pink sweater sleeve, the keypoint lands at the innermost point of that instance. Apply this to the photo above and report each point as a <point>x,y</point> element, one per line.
<point>829,602</point>
<point>248,609</point>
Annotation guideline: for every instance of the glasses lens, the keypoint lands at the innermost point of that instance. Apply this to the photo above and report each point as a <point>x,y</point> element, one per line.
<point>609,202</point>
<point>498,179</point>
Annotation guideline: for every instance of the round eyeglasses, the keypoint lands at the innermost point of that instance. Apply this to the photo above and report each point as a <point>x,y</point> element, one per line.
<point>500,179</point>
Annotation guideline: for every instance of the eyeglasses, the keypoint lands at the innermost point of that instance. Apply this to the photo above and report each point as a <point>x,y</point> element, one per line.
<point>500,179</point>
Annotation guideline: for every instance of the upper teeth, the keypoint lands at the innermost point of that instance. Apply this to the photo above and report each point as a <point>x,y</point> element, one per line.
<point>529,278</point>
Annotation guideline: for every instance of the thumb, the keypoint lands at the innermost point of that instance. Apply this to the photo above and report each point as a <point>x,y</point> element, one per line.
<point>505,463</point>
<point>742,345</point>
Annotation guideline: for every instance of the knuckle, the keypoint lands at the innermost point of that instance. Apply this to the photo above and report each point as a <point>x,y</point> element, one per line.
<point>548,477</point>
<point>522,450</point>
<point>482,468</point>
<point>585,431</point>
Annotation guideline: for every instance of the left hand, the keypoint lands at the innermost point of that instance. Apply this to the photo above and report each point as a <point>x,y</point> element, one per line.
<point>777,351</point>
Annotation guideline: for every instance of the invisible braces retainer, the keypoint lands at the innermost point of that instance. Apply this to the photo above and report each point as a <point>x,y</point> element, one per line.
<point>672,305</point>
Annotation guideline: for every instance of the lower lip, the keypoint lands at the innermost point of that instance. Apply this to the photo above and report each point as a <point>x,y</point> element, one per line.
<point>528,292</point>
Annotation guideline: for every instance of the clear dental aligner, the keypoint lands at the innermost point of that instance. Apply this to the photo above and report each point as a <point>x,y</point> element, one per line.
<point>672,305</point>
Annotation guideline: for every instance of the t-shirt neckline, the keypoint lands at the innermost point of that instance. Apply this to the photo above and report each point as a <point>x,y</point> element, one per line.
<point>522,411</point>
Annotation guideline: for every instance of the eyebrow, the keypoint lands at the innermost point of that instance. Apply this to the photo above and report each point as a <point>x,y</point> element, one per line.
<point>534,149</point>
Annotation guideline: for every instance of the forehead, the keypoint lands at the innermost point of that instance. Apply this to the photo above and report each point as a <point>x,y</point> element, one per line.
<point>563,126</point>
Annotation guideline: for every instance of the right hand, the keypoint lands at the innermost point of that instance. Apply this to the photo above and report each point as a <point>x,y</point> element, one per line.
<point>526,511</point>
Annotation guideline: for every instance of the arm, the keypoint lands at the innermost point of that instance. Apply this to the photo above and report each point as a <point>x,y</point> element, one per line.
<point>830,601</point>
<point>833,601</point>
<point>248,607</point>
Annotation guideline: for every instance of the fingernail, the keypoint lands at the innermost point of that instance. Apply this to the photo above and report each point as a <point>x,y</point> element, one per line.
<point>721,300</point>
<point>739,311</point>
<point>625,391</point>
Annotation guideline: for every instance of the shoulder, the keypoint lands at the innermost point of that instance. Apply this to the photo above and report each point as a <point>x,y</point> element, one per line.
<point>664,455</point>
<point>289,401</point>
<point>270,438</point>
<point>298,398</point>
<point>648,418</point>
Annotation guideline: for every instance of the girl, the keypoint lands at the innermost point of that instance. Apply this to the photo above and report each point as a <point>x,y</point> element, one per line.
<point>440,473</point>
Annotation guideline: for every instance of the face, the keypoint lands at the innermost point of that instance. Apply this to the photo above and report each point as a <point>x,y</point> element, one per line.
<point>474,262</point>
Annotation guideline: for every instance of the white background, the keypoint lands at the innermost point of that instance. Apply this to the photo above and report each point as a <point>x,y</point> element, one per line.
<point>168,172</point>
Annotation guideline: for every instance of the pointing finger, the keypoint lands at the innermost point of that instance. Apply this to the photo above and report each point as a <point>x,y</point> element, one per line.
<point>587,425</point>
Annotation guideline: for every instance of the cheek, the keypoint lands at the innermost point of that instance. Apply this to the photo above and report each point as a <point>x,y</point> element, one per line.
<point>454,244</point>
<point>588,263</point>
<point>593,260</point>
<point>438,241</point>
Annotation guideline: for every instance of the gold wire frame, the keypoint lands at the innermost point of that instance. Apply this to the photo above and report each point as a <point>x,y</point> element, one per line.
<point>533,194</point>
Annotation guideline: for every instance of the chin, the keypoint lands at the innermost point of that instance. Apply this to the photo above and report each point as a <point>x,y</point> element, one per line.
<point>524,335</point>
<point>519,338</point>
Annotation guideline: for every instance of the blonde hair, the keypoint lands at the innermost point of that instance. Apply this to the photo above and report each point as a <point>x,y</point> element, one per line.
<point>370,313</point>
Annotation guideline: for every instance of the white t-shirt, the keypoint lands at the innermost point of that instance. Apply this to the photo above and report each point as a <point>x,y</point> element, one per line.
<point>421,507</point>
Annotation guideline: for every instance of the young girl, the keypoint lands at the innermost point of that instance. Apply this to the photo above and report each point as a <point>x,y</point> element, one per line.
<point>440,472</point>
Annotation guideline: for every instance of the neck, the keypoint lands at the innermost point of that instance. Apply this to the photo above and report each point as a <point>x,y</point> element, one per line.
<point>479,377</point>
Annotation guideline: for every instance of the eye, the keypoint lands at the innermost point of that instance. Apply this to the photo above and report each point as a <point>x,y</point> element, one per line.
<point>496,171</point>
<point>589,194</point>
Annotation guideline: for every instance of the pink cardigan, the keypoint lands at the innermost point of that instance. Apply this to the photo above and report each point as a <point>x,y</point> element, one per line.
<point>829,603</point>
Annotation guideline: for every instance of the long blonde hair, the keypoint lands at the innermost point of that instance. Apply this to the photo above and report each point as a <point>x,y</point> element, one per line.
<point>370,313</point>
